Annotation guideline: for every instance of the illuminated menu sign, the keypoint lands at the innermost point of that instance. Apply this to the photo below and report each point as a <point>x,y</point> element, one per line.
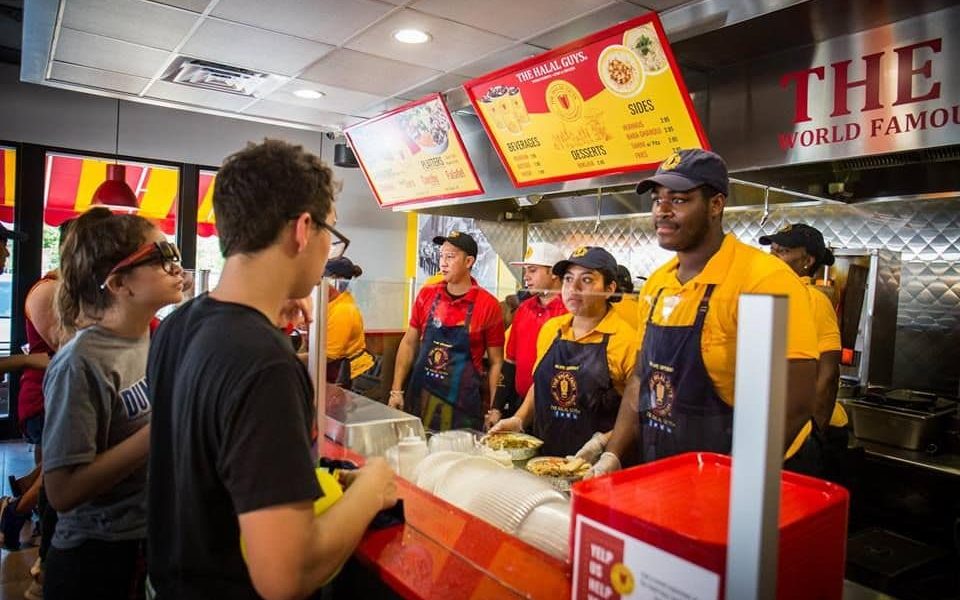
<point>609,103</point>
<point>413,154</point>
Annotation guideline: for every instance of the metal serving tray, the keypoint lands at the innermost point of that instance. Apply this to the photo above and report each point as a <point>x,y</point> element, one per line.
<point>366,426</point>
<point>902,427</point>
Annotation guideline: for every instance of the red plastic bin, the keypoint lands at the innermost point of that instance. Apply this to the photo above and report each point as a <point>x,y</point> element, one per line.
<point>642,531</point>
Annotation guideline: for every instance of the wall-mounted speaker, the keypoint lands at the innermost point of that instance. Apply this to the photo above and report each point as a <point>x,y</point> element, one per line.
<point>343,156</point>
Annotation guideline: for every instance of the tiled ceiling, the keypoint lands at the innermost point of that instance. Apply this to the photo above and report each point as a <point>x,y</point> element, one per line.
<point>342,48</point>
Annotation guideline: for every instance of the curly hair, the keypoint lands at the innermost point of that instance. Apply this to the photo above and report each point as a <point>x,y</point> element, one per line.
<point>259,189</point>
<point>96,241</point>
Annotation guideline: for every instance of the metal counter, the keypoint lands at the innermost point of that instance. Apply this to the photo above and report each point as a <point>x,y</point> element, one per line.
<point>365,426</point>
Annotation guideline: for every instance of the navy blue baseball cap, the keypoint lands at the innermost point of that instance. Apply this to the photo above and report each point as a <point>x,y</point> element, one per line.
<point>589,257</point>
<point>342,267</point>
<point>687,169</point>
<point>463,241</point>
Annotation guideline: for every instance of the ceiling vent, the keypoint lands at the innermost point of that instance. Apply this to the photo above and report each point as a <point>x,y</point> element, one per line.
<point>213,76</point>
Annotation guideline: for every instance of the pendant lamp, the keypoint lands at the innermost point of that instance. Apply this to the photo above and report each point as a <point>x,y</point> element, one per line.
<point>114,193</point>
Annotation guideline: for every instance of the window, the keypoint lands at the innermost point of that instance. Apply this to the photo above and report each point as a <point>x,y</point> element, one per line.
<point>8,175</point>
<point>208,244</point>
<point>71,181</point>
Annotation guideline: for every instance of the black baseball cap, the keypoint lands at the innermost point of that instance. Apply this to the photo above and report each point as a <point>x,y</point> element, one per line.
<point>800,235</point>
<point>459,239</point>
<point>7,234</point>
<point>687,169</point>
<point>589,257</point>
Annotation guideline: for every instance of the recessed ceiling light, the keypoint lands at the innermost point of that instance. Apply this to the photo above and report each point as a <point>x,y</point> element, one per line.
<point>309,94</point>
<point>411,36</point>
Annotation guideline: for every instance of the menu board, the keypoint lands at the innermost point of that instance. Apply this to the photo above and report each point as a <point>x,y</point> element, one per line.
<point>610,103</point>
<point>414,153</point>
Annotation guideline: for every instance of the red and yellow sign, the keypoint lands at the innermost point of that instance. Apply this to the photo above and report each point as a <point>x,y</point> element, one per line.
<point>610,103</point>
<point>414,153</point>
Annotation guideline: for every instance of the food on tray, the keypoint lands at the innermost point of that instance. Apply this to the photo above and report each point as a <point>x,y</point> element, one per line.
<point>620,71</point>
<point>556,466</point>
<point>428,126</point>
<point>512,441</point>
<point>643,41</point>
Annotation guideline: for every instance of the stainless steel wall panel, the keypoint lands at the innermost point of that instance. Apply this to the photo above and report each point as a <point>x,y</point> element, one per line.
<point>925,232</point>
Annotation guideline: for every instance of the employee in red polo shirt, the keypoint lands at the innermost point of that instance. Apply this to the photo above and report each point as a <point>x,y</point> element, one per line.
<point>453,324</point>
<point>521,351</point>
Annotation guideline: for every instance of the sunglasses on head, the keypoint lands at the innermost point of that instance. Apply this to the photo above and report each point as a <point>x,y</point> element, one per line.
<point>166,253</point>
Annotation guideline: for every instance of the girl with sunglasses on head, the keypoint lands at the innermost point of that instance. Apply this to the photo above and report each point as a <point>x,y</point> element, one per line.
<point>116,272</point>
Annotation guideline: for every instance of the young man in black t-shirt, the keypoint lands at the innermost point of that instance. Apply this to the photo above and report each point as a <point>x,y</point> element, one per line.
<point>233,407</point>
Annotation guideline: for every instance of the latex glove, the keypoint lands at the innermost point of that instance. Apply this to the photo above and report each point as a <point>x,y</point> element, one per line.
<point>491,418</point>
<point>508,424</point>
<point>606,464</point>
<point>395,400</point>
<point>591,451</point>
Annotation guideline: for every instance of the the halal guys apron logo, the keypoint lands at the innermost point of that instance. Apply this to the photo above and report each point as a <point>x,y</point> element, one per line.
<point>563,388</point>
<point>662,394</point>
<point>438,359</point>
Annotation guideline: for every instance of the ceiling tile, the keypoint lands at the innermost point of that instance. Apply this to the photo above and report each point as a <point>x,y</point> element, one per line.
<point>258,49</point>
<point>124,20</point>
<point>337,99</point>
<point>512,18</point>
<point>366,73</point>
<point>441,84</point>
<point>196,6</point>
<point>380,107</point>
<point>199,97</point>
<point>104,80</point>
<point>658,5</point>
<point>100,52</point>
<point>498,60</point>
<point>300,114</point>
<point>584,26</point>
<point>452,45</point>
<point>331,21</point>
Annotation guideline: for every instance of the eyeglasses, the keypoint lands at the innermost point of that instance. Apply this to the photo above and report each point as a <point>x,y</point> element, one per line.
<point>339,243</point>
<point>166,253</point>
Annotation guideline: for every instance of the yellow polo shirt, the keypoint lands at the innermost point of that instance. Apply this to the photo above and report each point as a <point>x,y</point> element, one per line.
<point>345,337</point>
<point>828,337</point>
<point>628,308</point>
<point>735,269</point>
<point>621,346</point>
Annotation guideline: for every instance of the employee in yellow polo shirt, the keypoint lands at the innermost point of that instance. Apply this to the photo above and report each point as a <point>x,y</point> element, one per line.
<point>347,355</point>
<point>681,397</point>
<point>584,360</point>
<point>803,249</point>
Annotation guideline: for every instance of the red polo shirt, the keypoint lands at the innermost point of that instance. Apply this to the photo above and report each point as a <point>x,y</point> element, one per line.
<point>522,346</point>
<point>486,324</point>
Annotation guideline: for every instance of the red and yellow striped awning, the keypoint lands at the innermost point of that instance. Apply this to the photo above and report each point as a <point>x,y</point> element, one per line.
<point>71,181</point>
<point>8,175</point>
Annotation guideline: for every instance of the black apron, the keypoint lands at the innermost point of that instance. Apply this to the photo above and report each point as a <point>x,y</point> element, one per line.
<point>445,383</point>
<point>680,410</point>
<point>574,396</point>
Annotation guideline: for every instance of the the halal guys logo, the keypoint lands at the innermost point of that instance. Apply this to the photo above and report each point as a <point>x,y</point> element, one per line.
<point>438,358</point>
<point>671,162</point>
<point>662,393</point>
<point>563,388</point>
<point>528,253</point>
<point>581,251</point>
